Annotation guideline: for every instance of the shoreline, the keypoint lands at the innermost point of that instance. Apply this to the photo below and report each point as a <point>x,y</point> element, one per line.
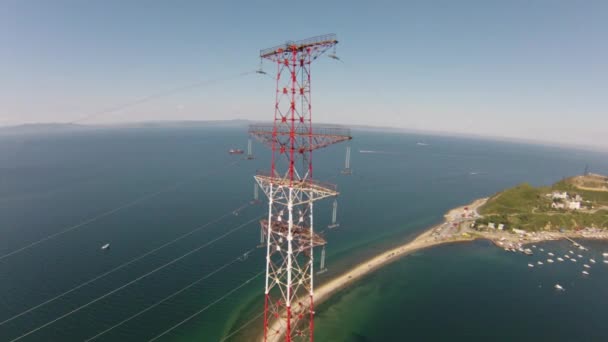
<point>455,228</point>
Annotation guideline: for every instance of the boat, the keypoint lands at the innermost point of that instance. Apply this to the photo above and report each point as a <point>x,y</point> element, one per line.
<point>586,266</point>
<point>528,251</point>
<point>560,259</point>
<point>571,252</point>
<point>530,265</point>
<point>550,261</point>
<point>559,287</point>
<point>105,247</point>
<point>580,256</point>
<point>581,248</point>
<point>542,250</point>
<point>567,256</point>
<point>540,262</point>
<point>605,261</point>
<point>573,260</point>
<point>592,261</point>
<point>235,151</point>
<point>551,254</point>
<point>533,246</point>
<point>605,255</point>
<point>585,273</point>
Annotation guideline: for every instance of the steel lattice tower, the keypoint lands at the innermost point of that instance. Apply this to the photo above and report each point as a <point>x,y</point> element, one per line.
<point>291,191</point>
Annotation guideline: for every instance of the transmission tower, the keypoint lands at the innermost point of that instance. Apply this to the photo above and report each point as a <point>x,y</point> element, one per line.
<point>291,191</point>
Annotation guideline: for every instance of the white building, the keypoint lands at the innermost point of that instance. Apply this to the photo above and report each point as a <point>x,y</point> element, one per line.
<point>559,195</point>
<point>501,226</point>
<point>574,205</point>
<point>556,205</point>
<point>491,225</point>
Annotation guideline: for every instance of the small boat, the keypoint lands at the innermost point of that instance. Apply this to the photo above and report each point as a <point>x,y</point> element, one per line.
<point>542,250</point>
<point>586,266</point>
<point>573,260</point>
<point>580,256</point>
<point>567,256</point>
<point>581,248</point>
<point>592,261</point>
<point>550,261</point>
<point>605,261</point>
<point>530,265</point>
<point>559,287</point>
<point>235,151</point>
<point>585,273</point>
<point>105,247</point>
<point>540,262</point>
<point>528,251</point>
<point>571,252</point>
<point>551,254</point>
<point>533,246</point>
<point>560,259</point>
<point>605,255</point>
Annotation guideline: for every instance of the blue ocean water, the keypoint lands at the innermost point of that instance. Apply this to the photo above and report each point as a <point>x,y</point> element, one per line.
<point>51,183</point>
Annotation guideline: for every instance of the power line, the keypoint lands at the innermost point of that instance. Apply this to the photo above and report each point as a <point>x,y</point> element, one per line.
<point>137,279</point>
<point>110,212</point>
<point>158,95</point>
<point>242,327</point>
<point>218,219</point>
<point>207,307</point>
<point>239,258</point>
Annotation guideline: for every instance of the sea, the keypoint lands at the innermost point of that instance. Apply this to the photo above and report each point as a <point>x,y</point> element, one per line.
<point>183,262</point>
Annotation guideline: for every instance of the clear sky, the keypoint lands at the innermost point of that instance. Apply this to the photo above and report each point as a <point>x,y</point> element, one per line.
<point>522,69</point>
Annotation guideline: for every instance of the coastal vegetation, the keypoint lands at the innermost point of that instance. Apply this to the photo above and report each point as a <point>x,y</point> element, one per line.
<point>570,204</point>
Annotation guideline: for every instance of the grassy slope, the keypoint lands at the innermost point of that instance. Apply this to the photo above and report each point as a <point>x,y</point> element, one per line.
<point>526,207</point>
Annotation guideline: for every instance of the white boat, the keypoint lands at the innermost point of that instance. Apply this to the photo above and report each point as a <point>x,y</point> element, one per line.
<point>580,256</point>
<point>560,259</point>
<point>542,250</point>
<point>551,254</point>
<point>581,248</point>
<point>540,262</point>
<point>585,273</point>
<point>605,261</point>
<point>550,261</point>
<point>571,252</point>
<point>573,260</point>
<point>586,266</point>
<point>533,246</point>
<point>106,246</point>
<point>559,287</point>
<point>592,261</point>
<point>567,256</point>
<point>605,255</point>
<point>530,265</point>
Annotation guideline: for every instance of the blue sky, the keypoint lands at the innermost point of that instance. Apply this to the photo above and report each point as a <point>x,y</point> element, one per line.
<point>522,69</point>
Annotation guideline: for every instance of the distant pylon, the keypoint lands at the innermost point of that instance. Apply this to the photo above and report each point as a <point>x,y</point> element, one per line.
<point>249,150</point>
<point>291,191</point>
<point>322,268</point>
<point>334,216</point>
<point>347,170</point>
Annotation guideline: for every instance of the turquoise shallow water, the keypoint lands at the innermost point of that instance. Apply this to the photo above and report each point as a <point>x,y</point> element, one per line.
<point>51,182</point>
<point>473,292</point>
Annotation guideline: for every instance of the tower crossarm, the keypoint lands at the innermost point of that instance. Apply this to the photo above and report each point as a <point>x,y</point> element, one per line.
<point>305,140</point>
<point>304,191</point>
<point>315,46</point>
